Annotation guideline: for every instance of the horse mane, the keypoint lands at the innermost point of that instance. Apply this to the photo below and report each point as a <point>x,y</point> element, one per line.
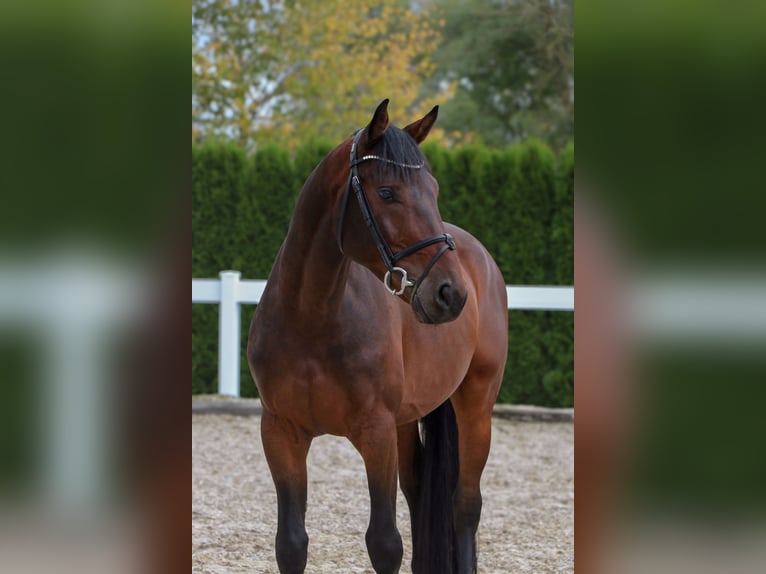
<point>399,147</point>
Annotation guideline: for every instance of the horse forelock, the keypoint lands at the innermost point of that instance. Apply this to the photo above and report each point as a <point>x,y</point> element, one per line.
<point>400,148</point>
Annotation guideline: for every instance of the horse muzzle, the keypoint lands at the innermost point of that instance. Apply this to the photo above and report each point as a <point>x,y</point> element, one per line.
<point>441,304</point>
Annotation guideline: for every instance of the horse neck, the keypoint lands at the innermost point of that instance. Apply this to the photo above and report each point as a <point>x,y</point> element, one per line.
<point>312,272</point>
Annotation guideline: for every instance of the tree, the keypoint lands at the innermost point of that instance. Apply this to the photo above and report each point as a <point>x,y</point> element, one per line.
<point>283,70</point>
<point>513,63</point>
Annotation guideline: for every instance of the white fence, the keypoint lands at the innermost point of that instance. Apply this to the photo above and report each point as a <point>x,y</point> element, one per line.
<point>229,292</point>
<point>71,303</point>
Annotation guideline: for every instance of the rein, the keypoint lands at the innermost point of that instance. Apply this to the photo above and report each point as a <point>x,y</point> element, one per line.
<point>389,257</point>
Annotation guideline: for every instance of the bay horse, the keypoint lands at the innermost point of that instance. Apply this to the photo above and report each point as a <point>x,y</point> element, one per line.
<point>383,324</point>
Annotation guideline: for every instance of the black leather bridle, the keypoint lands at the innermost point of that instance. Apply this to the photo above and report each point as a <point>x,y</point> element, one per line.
<point>389,257</point>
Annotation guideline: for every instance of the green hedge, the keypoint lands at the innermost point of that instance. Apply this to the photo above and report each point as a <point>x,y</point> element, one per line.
<point>517,201</point>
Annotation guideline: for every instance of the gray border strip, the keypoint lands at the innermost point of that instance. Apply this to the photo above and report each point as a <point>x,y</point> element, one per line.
<point>218,404</point>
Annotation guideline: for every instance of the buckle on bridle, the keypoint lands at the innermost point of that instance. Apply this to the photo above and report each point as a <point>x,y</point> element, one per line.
<point>404,282</point>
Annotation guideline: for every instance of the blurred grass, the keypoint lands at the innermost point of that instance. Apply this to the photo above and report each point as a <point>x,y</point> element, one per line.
<point>670,111</point>
<point>94,154</point>
<point>670,126</point>
<point>699,452</point>
<point>94,140</point>
<point>18,438</point>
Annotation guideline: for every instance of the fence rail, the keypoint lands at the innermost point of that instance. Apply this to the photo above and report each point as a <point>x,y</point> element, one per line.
<point>230,292</point>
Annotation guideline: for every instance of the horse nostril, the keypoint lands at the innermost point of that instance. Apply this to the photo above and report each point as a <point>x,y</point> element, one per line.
<point>444,295</point>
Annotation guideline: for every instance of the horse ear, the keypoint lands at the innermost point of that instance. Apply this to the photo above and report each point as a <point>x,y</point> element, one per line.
<point>379,122</point>
<point>420,128</point>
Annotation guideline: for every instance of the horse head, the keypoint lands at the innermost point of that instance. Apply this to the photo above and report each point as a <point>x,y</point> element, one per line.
<point>395,228</point>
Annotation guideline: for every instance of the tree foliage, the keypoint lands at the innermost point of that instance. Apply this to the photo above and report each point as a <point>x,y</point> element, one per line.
<point>282,70</point>
<point>513,63</point>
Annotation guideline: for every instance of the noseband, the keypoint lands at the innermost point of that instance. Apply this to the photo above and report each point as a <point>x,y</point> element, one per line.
<point>389,257</point>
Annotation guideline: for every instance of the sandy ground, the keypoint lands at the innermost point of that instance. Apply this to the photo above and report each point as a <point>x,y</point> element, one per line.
<point>527,522</point>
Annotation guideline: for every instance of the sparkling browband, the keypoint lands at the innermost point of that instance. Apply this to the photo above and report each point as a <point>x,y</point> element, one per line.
<point>385,159</point>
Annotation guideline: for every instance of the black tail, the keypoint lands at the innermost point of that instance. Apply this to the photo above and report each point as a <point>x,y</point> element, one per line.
<point>434,549</point>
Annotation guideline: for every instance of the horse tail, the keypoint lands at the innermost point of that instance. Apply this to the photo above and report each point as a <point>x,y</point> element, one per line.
<point>434,550</point>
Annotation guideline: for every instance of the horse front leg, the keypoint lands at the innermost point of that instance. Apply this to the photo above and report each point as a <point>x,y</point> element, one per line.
<point>474,437</point>
<point>410,462</point>
<point>376,442</point>
<point>286,448</point>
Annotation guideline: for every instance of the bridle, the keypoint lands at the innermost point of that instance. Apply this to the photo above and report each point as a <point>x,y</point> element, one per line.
<point>389,257</point>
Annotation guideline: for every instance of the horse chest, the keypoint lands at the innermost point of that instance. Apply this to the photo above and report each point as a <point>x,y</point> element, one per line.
<point>318,381</point>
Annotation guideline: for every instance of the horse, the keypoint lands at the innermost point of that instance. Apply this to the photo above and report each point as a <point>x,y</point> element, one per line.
<point>383,324</point>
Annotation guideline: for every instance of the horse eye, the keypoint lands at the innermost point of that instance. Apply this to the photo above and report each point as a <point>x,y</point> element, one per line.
<point>386,194</point>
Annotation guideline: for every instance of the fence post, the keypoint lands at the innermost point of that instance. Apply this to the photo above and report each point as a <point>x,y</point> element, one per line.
<point>228,335</point>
